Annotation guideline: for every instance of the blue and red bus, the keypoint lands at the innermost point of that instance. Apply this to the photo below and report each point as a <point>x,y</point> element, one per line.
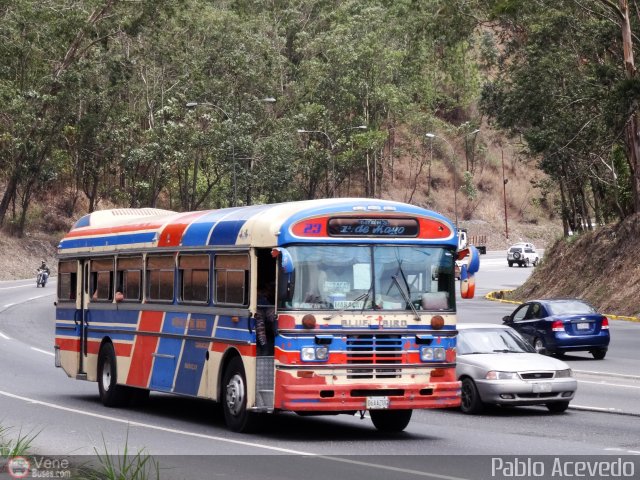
<point>315,307</point>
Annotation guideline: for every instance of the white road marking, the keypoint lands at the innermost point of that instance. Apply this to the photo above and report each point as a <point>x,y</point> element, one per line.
<point>39,296</point>
<point>43,351</point>
<point>226,440</point>
<point>609,384</point>
<point>4,336</point>
<point>17,286</point>
<point>8,305</point>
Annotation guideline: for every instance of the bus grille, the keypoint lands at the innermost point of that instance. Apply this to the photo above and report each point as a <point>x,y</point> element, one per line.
<point>374,349</point>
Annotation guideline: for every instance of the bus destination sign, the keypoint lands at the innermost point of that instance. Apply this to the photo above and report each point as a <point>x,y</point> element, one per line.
<point>373,227</point>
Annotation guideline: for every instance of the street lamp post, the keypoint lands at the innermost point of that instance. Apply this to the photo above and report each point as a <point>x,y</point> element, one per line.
<point>455,168</point>
<point>233,143</point>
<point>504,195</point>
<point>332,148</point>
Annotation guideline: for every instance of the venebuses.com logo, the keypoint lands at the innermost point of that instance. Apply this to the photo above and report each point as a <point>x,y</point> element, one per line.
<point>18,467</point>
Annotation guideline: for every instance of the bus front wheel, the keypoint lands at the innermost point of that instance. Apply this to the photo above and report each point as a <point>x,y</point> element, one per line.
<point>390,420</point>
<point>111,394</point>
<point>234,398</point>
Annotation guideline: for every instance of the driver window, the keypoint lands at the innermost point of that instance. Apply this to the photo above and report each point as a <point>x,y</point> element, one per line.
<point>521,313</point>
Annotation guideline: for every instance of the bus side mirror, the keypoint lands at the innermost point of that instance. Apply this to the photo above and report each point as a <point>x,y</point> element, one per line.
<point>286,261</point>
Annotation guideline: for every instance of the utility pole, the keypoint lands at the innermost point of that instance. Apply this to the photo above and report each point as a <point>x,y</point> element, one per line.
<point>504,195</point>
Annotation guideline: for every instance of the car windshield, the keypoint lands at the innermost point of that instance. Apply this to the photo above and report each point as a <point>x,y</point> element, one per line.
<point>489,340</point>
<point>359,277</point>
<point>570,307</point>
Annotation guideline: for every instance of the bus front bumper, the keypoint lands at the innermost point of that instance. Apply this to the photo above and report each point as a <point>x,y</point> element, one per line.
<point>309,397</point>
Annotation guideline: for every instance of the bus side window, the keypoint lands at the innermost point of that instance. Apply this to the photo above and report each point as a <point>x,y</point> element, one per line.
<point>102,280</point>
<point>231,279</point>
<point>67,280</point>
<point>160,278</point>
<point>194,278</point>
<point>129,278</point>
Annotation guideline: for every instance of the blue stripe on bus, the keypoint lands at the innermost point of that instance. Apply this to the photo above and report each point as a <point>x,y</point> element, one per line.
<point>110,240</point>
<point>83,222</point>
<point>164,366</point>
<point>197,233</point>
<point>227,230</point>
<point>114,336</point>
<point>194,355</point>
<point>65,313</point>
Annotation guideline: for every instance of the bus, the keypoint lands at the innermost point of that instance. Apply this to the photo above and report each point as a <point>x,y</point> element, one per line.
<point>315,307</point>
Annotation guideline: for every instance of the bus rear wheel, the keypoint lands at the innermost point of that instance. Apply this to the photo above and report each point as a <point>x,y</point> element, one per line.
<point>111,394</point>
<point>390,420</point>
<point>234,398</point>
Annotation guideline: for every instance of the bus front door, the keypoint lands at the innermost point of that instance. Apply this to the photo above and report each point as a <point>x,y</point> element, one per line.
<point>84,319</point>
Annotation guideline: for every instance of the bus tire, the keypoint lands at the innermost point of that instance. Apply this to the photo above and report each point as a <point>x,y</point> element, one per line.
<point>391,421</point>
<point>111,394</point>
<point>234,398</point>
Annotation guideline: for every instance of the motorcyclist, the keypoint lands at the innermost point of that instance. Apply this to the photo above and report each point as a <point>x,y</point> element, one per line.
<point>44,269</point>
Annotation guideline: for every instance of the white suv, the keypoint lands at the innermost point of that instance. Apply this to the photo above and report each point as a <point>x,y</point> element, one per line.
<point>524,254</point>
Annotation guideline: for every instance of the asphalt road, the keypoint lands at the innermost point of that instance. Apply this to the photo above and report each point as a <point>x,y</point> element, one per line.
<point>190,441</point>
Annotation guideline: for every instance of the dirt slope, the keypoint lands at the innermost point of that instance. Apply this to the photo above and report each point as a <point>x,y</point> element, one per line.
<point>601,267</point>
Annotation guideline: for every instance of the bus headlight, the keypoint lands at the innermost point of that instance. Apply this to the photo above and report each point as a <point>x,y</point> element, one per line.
<point>314,354</point>
<point>431,354</point>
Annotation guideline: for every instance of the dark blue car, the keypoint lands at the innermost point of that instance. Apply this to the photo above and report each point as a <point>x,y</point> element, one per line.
<point>560,326</point>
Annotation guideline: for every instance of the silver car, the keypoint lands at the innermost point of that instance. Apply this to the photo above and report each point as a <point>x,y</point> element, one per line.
<point>497,366</point>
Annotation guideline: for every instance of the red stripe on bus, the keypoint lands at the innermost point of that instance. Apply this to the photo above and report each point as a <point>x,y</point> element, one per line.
<point>172,234</point>
<point>138,227</point>
<point>68,344</point>
<point>143,349</point>
<point>245,350</point>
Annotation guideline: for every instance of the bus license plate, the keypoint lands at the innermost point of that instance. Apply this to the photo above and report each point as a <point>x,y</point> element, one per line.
<point>541,387</point>
<point>377,403</point>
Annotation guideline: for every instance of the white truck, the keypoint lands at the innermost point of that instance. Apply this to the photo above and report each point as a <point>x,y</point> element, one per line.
<point>478,241</point>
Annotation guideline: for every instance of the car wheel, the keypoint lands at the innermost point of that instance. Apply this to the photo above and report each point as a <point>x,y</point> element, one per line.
<point>234,398</point>
<point>111,394</point>
<point>390,420</point>
<point>535,262</point>
<point>471,402</point>
<point>511,264</point>
<point>516,255</point>
<point>526,262</point>
<point>557,407</point>
<point>539,345</point>
<point>599,354</point>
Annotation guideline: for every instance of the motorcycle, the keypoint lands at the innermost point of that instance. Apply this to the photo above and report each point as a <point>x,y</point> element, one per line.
<point>41,278</point>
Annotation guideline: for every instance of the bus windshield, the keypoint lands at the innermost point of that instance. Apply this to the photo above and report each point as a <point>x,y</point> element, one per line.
<point>370,277</point>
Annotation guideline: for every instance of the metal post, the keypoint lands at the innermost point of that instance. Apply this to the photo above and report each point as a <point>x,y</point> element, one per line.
<point>504,194</point>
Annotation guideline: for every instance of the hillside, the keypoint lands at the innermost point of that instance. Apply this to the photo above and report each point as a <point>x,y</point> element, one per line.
<point>599,266</point>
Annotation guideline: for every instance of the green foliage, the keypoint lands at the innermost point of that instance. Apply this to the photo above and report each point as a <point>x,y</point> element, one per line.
<point>123,466</point>
<point>563,88</point>
<point>12,447</point>
<point>468,187</point>
<point>93,109</point>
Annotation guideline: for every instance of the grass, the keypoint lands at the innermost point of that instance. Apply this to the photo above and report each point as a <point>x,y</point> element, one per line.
<point>137,466</point>
<point>15,447</point>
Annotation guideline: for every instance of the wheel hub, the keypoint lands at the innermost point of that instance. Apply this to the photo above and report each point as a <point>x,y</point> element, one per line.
<point>106,376</point>
<point>235,394</point>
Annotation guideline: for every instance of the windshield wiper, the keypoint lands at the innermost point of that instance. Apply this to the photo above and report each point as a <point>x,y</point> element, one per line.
<point>506,350</point>
<point>404,296</point>
<point>362,296</point>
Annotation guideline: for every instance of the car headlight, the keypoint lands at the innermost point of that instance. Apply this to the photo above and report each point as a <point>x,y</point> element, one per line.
<point>313,354</point>
<point>430,354</point>
<point>564,373</point>
<point>495,375</point>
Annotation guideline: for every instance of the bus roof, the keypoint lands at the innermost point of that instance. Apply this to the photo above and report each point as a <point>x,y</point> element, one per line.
<point>256,225</point>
